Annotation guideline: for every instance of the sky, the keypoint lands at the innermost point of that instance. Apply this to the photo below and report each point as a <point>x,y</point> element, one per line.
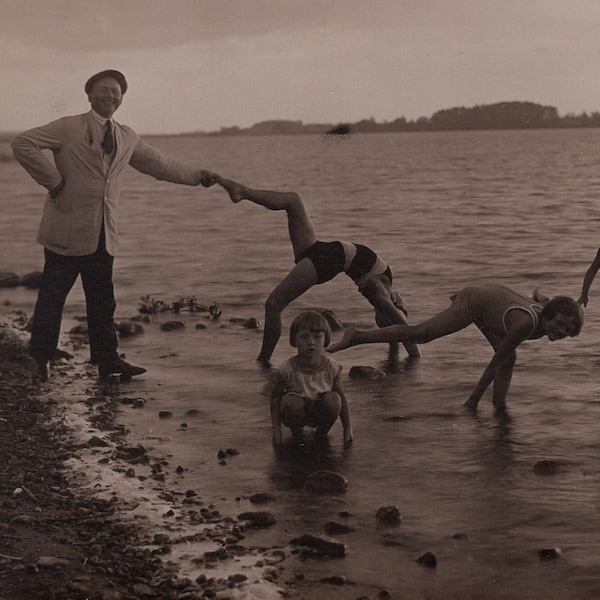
<point>201,65</point>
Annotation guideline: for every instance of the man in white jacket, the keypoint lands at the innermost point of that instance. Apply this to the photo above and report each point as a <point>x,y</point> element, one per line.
<point>79,224</point>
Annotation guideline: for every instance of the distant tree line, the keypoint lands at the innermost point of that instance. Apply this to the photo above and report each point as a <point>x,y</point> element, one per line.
<point>502,115</point>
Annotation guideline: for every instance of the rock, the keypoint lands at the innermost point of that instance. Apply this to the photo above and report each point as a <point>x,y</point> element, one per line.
<point>132,454</point>
<point>172,325</point>
<point>23,519</point>
<point>336,528</point>
<point>79,330</point>
<point>164,414</point>
<point>51,562</point>
<point>141,590</point>
<point>96,442</point>
<point>545,467</point>
<point>362,372</point>
<point>9,279</point>
<point>274,557</point>
<point>129,329</point>
<point>389,515</point>
<point>262,498</point>
<point>261,518</point>
<point>32,280</point>
<point>549,553</point>
<point>201,326</point>
<point>327,482</point>
<point>331,317</point>
<point>182,583</point>
<point>333,580</point>
<point>252,323</point>
<point>62,354</point>
<point>427,560</point>
<point>323,545</point>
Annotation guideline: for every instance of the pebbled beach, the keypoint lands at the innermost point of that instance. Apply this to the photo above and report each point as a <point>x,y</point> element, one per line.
<point>86,514</point>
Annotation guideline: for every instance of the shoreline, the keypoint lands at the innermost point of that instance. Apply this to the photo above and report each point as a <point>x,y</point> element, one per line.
<point>79,461</point>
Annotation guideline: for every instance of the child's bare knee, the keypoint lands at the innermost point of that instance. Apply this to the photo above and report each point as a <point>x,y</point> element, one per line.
<point>292,409</point>
<point>331,403</point>
<point>274,305</point>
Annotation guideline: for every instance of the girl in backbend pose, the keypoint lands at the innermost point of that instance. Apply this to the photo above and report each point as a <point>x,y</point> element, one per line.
<point>505,317</point>
<point>318,262</point>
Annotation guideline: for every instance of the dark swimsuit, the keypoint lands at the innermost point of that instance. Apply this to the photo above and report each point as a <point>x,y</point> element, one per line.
<point>329,260</point>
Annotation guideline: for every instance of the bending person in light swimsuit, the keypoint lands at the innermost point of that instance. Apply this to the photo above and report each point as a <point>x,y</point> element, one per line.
<point>504,316</point>
<point>318,262</point>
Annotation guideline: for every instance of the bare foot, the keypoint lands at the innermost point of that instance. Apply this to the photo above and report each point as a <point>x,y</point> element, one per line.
<point>235,190</point>
<point>470,406</point>
<point>348,339</point>
<point>264,362</point>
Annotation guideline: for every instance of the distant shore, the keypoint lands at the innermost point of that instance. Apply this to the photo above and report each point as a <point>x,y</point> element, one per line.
<point>498,116</point>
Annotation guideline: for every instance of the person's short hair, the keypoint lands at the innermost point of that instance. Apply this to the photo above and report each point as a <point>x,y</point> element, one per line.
<point>565,306</point>
<point>313,321</point>
<point>89,84</point>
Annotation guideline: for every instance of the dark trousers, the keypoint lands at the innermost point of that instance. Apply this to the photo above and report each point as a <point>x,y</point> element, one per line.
<point>60,273</point>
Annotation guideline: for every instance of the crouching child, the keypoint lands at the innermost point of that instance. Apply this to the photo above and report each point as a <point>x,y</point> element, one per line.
<point>307,391</point>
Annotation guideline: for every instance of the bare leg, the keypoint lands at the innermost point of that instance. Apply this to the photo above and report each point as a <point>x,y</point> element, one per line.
<point>444,323</point>
<point>502,380</point>
<point>302,235</point>
<point>328,413</point>
<point>300,227</point>
<point>293,415</point>
<point>301,278</point>
<point>378,292</point>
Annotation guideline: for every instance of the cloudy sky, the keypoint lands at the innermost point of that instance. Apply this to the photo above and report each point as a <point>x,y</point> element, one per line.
<point>199,65</point>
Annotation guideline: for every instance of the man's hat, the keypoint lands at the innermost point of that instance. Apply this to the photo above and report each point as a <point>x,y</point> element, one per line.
<point>109,73</point>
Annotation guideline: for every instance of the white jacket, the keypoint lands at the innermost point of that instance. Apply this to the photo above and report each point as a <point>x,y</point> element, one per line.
<point>72,221</point>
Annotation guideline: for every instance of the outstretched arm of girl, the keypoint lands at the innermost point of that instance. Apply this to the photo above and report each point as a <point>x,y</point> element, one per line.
<point>345,417</point>
<point>502,362</point>
<point>590,274</point>
<point>276,395</point>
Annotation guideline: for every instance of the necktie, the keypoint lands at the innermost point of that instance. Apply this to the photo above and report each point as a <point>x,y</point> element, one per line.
<point>108,143</point>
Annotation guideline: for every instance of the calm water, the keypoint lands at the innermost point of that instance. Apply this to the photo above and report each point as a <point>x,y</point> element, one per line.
<point>445,210</point>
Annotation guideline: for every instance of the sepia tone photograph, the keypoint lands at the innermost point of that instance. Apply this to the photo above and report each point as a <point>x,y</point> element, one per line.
<point>298,300</point>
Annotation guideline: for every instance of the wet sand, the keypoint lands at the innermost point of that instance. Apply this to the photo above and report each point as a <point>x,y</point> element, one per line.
<point>89,514</point>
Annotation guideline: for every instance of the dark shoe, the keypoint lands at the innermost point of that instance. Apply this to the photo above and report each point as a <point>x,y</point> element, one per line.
<point>39,371</point>
<point>118,367</point>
